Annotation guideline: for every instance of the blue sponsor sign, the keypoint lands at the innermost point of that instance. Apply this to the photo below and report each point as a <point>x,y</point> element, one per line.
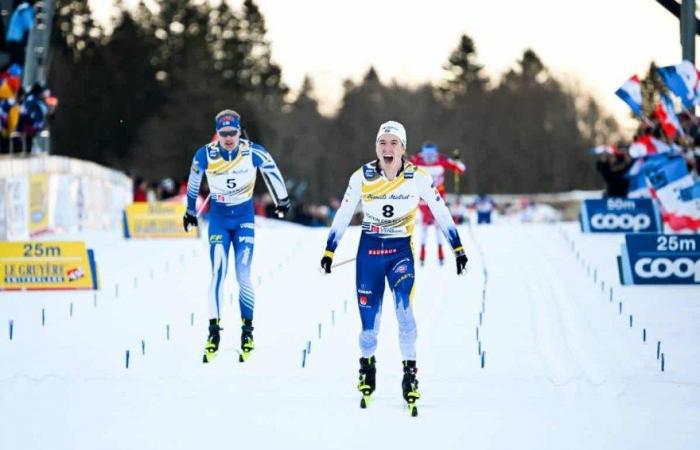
<point>620,215</point>
<point>651,258</point>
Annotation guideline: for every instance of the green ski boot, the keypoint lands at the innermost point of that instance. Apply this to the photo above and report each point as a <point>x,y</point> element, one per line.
<point>247,343</point>
<point>211,348</point>
<point>368,380</point>
<point>409,385</point>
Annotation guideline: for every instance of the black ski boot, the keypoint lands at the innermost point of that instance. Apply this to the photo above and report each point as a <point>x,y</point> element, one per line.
<point>247,343</point>
<point>211,348</point>
<point>409,385</point>
<point>367,382</point>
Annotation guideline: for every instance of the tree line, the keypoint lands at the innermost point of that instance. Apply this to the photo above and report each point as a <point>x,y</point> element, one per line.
<point>141,97</point>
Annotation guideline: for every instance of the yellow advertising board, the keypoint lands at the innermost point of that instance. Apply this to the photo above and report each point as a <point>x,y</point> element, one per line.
<point>38,203</point>
<point>47,265</point>
<point>156,220</point>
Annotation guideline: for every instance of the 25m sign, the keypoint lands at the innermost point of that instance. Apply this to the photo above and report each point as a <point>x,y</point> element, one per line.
<point>660,259</point>
<point>47,265</point>
<point>620,215</point>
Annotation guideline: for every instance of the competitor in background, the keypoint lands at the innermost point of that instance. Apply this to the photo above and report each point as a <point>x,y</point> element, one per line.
<point>484,206</point>
<point>389,189</point>
<point>231,165</point>
<point>435,163</point>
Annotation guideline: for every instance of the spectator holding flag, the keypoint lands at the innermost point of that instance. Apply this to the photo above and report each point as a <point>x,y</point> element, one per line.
<point>613,165</point>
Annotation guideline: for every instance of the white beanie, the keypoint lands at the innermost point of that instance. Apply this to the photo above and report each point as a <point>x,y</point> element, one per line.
<point>395,128</point>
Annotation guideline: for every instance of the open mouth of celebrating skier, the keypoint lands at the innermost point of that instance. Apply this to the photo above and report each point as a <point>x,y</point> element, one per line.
<point>390,149</point>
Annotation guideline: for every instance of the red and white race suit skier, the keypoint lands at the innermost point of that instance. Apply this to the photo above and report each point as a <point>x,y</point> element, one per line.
<point>430,159</point>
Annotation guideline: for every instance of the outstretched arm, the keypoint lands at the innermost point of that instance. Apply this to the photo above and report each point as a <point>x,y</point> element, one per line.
<point>199,165</point>
<point>452,164</point>
<point>342,218</point>
<point>271,176</point>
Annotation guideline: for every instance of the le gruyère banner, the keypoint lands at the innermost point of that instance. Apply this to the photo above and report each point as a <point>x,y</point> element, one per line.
<point>47,265</point>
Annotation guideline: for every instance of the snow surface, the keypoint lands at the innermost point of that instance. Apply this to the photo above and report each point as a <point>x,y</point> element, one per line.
<point>563,369</point>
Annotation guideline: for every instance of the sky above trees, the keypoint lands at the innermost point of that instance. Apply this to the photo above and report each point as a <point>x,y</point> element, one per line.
<point>598,43</point>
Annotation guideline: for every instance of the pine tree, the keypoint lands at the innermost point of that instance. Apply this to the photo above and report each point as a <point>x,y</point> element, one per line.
<point>77,78</point>
<point>463,73</point>
<point>262,79</point>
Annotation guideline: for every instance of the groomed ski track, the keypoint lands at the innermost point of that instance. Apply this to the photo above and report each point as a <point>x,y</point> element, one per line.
<point>563,368</point>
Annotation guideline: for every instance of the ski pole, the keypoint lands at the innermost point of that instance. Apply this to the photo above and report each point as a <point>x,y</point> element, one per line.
<point>341,263</point>
<point>204,205</point>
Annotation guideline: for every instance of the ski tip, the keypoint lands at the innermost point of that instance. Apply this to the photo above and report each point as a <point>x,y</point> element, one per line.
<point>413,409</point>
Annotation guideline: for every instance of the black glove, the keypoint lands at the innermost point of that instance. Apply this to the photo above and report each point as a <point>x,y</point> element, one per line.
<point>327,260</point>
<point>282,207</point>
<point>189,219</point>
<point>462,259</point>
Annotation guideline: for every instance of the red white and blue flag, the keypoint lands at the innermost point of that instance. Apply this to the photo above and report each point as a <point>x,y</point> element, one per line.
<point>683,80</point>
<point>667,117</point>
<point>631,93</point>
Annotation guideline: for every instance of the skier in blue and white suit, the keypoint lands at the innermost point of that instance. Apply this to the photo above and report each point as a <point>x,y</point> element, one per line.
<point>231,165</point>
<point>389,189</point>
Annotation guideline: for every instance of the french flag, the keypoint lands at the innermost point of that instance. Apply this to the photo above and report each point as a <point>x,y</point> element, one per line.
<point>644,146</point>
<point>672,185</point>
<point>667,117</point>
<point>682,79</point>
<point>631,93</point>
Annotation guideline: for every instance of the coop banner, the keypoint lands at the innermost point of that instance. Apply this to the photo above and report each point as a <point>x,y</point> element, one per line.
<point>47,265</point>
<point>156,220</point>
<point>650,258</point>
<point>620,215</point>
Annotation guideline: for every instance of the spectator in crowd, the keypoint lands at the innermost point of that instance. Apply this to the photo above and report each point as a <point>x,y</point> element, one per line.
<point>334,204</point>
<point>613,164</point>
<point>21,21</point>
<point>140,189</point>
<point>167,189</point>
<point>33,114</point>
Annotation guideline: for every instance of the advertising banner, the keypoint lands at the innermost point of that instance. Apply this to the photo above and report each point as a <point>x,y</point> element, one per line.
<point>16,204</point>
<point>620,215</point>
<point>156,220</point>
<point>47,265</point>
<point>650,258</point>
<point>38,203</point>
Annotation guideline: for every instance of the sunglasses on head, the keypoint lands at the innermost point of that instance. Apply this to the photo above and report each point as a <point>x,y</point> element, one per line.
<point>228,133</point>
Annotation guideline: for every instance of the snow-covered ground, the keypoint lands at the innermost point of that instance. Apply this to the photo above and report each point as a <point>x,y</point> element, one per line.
<point>563,369</point>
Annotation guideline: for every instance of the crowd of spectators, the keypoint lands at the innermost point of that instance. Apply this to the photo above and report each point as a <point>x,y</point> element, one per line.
<point>24,112</point>
<point>166,189</point>
<point>615,161</point>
